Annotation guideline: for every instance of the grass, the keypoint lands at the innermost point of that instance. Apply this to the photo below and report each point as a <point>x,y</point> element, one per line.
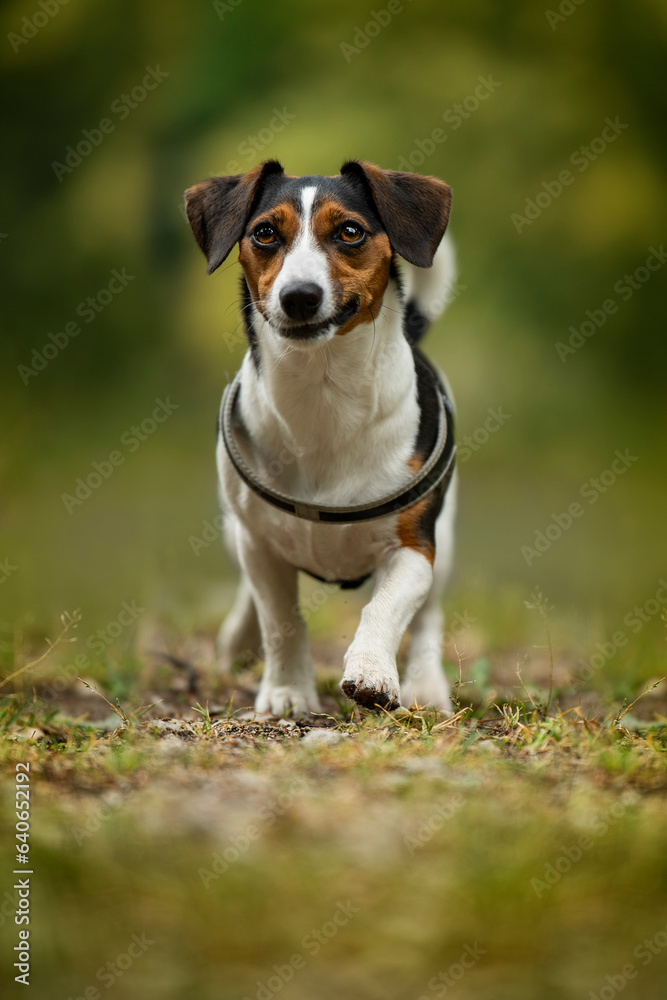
<point>515,850</point>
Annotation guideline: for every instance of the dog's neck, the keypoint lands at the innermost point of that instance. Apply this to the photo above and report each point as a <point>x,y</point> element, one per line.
<point>346,408</point>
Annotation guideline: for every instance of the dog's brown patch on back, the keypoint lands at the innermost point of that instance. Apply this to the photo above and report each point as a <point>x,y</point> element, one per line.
<point>360,272</point>
<point>410,528</point>
<point>262,267</point>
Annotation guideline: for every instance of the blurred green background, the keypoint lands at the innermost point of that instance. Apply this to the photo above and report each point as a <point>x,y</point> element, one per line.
<point>219,72</point>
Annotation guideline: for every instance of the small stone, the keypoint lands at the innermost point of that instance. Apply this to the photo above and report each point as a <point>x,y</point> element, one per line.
<point>164,725</point>
<point>29,733</point>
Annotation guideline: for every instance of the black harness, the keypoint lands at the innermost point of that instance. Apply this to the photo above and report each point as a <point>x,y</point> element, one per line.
<point>436,471</point>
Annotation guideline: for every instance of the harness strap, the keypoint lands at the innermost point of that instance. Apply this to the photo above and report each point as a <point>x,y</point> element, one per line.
<point>438,468</point>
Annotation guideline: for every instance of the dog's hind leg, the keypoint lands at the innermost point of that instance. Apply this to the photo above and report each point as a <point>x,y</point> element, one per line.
<point>240,639</point>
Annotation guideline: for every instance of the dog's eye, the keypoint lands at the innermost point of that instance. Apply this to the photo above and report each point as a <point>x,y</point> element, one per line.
<point>265,234</point>
<point>351,233</point>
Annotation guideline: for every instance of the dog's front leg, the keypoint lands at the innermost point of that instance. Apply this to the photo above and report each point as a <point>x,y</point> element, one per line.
<point>288,684</point>
<point>401,586</point>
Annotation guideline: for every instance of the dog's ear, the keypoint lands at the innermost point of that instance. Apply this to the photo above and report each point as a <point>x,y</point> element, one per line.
<point>414,210</point>
<point>218,209</point>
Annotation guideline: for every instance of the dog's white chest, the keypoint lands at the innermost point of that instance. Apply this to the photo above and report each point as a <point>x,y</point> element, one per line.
<point>337,429</point>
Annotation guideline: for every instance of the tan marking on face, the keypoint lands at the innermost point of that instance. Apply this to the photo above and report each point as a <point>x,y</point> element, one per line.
<point>362,272</point>
<point>262,267</point>
<point>409,530</point>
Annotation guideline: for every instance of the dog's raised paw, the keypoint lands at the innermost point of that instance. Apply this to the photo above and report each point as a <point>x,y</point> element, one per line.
<point>370,683</point>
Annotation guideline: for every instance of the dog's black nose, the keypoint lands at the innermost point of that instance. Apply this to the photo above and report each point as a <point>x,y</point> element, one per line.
<point>301,300</point>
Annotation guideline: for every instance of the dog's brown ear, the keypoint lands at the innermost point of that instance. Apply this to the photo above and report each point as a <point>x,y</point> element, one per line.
<point>414,210</point>
<point>218,209</point>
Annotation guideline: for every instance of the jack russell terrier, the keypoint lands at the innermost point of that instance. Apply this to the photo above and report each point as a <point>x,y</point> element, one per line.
<point>335,446</point>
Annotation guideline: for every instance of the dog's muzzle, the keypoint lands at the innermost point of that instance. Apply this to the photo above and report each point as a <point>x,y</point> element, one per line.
<point>317,328</point>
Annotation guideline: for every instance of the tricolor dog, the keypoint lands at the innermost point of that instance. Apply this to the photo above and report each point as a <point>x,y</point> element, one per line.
<point>335,448</point>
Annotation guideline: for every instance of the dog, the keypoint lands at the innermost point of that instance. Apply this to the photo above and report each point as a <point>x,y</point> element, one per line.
<point>335,442</point>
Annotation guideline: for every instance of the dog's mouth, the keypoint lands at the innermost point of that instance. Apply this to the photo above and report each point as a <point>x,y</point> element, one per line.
<point>313,331</point>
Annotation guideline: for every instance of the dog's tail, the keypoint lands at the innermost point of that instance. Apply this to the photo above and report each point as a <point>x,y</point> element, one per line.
<point>428,290</point>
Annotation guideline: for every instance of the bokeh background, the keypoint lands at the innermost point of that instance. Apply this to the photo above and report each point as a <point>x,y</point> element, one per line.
<point>224,71</point>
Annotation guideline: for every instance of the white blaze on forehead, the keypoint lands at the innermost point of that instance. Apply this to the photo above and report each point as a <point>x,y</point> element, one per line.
<point>305,261</point>
<point>307,201</point>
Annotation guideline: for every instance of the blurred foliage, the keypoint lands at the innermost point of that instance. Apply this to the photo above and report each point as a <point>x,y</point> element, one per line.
<point>171,332</point>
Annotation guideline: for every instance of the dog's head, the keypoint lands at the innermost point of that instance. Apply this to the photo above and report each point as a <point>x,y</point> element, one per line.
<point>316,251</point>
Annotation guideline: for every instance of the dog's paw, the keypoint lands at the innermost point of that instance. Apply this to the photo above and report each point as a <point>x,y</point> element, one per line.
<point>371,681</point>
<point>296,699</point>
